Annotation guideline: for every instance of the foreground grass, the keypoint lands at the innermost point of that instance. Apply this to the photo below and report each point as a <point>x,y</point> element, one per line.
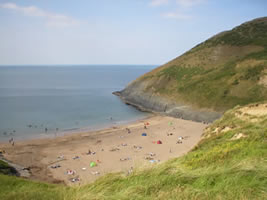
<point>218,168</point>
<point>16,188</point>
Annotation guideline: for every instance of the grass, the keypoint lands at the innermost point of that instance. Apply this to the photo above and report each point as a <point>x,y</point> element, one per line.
<point>219,88</point>
<point>251,33</point>
<point>16,188</point>
<point>217,168</point>
<point>219,73</point>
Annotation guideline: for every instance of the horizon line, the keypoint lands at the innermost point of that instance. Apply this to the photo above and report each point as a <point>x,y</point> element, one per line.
<point>51,65</point>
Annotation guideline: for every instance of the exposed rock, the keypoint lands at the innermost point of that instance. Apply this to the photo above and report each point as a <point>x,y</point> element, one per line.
<point>148,102</point>
<point>225,129</point>
<point>238,136</point>
<point>17,169</point>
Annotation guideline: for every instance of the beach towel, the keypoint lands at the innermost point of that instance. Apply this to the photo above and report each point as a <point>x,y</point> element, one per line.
<point>92,164</point>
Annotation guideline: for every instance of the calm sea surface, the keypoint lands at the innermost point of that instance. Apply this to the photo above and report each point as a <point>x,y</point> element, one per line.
<point>41,101</point>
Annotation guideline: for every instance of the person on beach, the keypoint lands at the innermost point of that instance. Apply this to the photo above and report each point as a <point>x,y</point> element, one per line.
<point>128,130</point>
<point>11,140</point>
<point>89,152</point>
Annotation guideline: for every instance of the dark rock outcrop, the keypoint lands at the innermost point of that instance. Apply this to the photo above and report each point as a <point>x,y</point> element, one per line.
<point>133,95</point>
<point>10,168</point>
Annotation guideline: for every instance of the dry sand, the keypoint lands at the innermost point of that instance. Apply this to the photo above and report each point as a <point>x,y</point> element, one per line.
<point>115,149</point>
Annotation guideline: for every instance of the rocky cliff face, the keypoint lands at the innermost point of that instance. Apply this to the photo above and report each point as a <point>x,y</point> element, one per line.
<point>226,70</point>
<point>134,95</point>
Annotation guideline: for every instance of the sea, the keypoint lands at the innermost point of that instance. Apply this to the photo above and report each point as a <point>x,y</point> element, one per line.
<point>49,101</point>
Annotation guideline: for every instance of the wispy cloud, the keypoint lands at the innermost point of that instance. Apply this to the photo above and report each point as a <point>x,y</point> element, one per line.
<point>176,15</point>
<point>158,2</point>
<point>181,7</point>
<point>52,19</point>
<point>189,3</point>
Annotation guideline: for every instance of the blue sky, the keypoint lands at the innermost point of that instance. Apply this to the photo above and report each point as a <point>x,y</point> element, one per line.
<point>51,32</point>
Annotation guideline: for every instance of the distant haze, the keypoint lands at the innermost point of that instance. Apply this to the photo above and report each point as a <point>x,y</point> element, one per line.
<point>113,32</point>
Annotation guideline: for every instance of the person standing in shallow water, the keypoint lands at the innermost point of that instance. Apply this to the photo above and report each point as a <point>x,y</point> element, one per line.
<point>11,140</point>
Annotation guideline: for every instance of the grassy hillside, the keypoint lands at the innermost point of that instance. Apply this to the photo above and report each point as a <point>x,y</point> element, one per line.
<point>227,70</point>
<point>228,163</point>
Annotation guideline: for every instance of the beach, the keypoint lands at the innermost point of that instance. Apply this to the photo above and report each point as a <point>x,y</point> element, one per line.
<point>81,158</point>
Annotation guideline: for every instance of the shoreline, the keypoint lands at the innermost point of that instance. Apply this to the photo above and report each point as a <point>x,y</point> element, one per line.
<point>112,149</point>
<point>135,96</point>
<point>70,131</point>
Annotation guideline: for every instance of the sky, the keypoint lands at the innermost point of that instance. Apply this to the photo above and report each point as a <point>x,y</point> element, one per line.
<point>67,32</point>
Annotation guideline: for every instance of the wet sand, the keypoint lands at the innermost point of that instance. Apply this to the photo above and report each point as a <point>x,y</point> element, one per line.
<point>112,150</point>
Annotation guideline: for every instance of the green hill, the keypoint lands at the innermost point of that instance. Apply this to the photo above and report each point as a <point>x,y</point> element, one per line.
<point>226,70</point>
<point>228,163</point>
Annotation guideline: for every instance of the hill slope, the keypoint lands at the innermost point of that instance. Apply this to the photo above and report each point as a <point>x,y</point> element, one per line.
<point>226,70</point>
<point>228,163</point>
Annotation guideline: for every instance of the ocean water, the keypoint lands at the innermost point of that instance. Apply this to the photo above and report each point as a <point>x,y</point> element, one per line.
<point>45,101</point>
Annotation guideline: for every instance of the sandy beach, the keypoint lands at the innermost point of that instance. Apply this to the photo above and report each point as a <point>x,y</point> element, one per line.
<point>83,157</point>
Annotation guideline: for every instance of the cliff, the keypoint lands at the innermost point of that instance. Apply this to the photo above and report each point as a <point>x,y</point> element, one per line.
<point>226,70</point>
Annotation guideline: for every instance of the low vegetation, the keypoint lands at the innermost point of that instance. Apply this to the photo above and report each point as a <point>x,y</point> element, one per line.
<point>218,88</point>
<point>253,32</point>
<point>228,163</point>
<point>228,69</point>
